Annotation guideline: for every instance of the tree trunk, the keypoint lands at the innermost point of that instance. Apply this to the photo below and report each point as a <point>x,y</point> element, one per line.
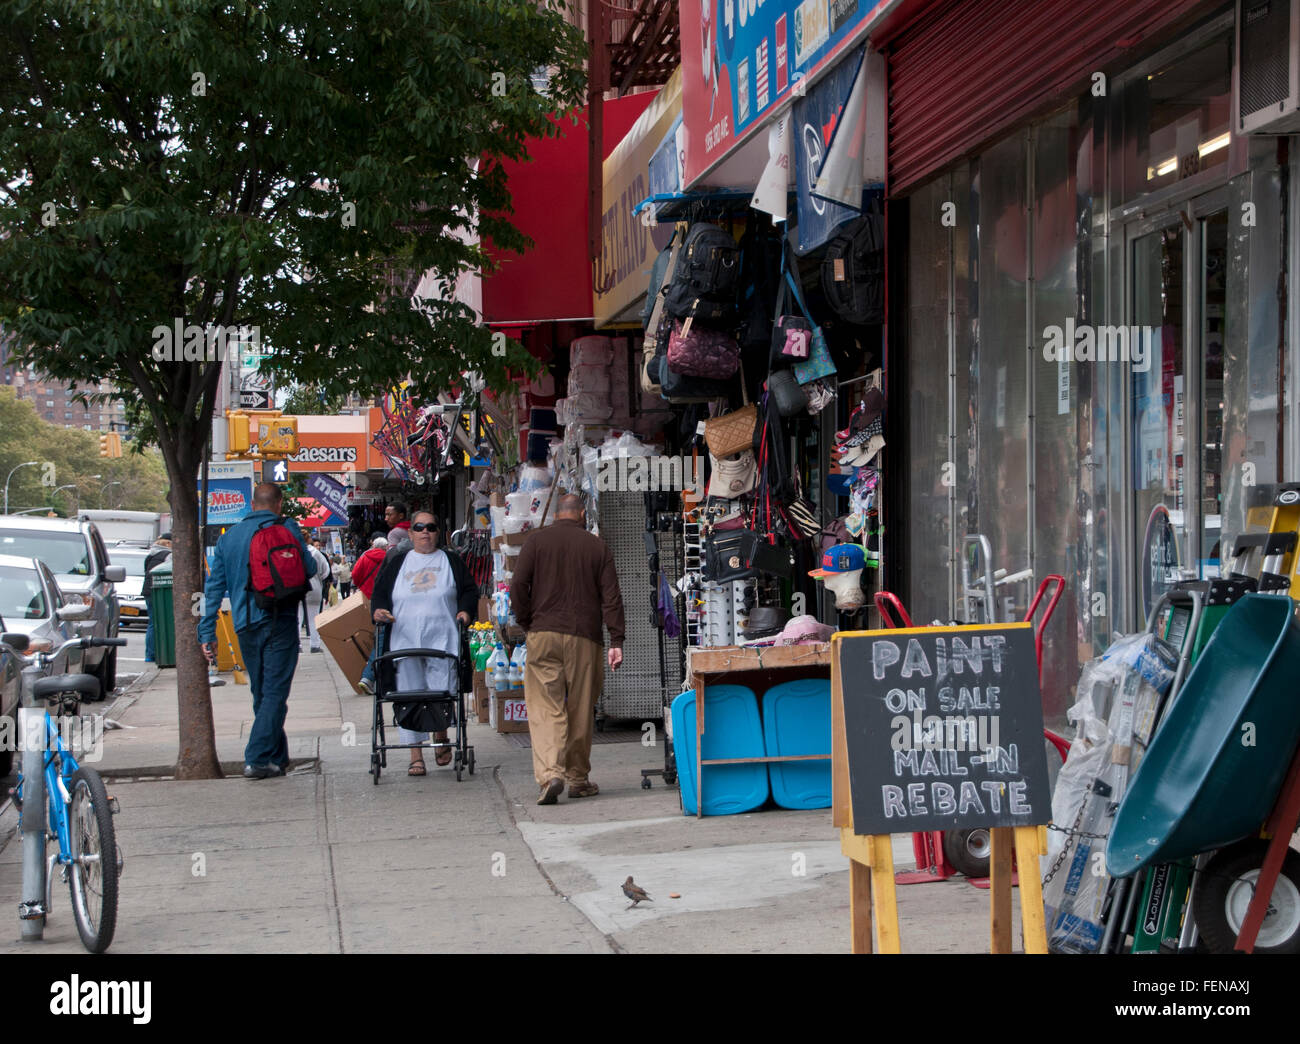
<point>197,757</point>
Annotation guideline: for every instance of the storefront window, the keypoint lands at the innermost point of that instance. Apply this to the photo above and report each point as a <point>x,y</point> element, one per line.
<point>1177,118</point>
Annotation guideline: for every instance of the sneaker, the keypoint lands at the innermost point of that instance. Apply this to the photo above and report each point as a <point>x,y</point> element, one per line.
<point>262,771</point>
<point>584,789</point>
<point>366,686</point>
<point>551,792</point>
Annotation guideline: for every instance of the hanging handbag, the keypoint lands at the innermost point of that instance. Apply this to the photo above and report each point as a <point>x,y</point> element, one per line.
<point>658,324</point>
<point>727,556</point>
<point>699,351</point>
<point>818,364</point>
<point>790,398</point>
<point>732,432</point>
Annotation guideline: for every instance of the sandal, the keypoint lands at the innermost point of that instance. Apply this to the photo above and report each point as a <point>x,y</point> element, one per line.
<point>443,756</point>
<point>417,768</point>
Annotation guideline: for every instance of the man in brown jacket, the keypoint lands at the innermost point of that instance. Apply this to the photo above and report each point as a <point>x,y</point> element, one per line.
<point>564,585</point>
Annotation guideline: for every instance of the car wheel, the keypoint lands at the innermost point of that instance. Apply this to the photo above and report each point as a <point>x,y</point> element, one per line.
<point>107,674</point>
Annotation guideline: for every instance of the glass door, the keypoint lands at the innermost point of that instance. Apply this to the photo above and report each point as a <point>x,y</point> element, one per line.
<point>1179,287</point>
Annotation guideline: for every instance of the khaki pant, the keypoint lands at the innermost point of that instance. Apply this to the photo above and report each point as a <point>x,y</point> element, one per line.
<point>563,675</point>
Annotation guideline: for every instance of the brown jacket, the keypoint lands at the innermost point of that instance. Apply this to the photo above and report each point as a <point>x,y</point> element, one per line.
<point>565,582</point>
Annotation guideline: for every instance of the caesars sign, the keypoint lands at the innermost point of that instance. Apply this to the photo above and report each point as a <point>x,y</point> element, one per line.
<point>329,452</point>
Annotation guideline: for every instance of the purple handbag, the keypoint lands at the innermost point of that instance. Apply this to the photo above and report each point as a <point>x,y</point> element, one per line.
<point>697,351</point>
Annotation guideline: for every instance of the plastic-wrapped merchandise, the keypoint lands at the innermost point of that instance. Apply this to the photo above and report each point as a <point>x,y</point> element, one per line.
<point>586,408</point>
<point>532,477</point>
<point>624,445</point>
<point>1117,692</point>
<point>589,379</point>
<point>591,351</point>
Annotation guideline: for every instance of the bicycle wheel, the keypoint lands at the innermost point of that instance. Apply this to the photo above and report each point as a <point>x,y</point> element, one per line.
<point>92,876</point>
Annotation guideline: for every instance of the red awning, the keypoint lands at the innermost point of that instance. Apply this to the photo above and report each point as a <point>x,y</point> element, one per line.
<point>552,281</point>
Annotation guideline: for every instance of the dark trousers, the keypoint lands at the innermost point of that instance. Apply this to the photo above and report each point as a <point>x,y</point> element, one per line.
<point>270,654</point>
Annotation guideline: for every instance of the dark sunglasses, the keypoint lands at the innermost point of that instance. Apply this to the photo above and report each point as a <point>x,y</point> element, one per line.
<point>422,527</point>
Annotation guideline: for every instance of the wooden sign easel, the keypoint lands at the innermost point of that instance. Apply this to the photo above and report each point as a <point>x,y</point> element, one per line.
<point>873,898</point>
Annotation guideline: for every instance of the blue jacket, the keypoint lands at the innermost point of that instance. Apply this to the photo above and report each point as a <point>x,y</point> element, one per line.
<point>229,576</point>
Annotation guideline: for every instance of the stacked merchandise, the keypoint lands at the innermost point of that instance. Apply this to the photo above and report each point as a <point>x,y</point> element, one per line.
<point>620,392</point>
<point>588,399</point>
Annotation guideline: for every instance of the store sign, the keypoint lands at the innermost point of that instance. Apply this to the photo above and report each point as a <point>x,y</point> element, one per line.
<point>815,118</point>
<point>943,728</point>
<point>333,495</point>
<point>230,492</point>
<point>741,59</point>
<point>629,244</point>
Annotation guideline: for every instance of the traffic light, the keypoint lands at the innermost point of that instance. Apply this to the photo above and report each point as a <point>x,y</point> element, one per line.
<point>277,436</point>
<point>114,444</point>
<point>237,433</point>
<point>104,444</point>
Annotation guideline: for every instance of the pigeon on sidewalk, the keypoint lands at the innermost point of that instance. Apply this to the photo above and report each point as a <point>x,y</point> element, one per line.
<point>635,892</point>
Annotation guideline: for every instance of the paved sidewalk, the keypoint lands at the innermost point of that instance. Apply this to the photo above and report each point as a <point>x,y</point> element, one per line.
<point>325,861</point>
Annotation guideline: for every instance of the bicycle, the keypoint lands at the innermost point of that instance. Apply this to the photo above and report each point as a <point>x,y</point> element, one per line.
<point>79,808</point>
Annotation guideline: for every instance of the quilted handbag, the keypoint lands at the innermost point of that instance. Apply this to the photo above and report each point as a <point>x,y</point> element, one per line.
<point>697,351</point>
<point>732,432</point>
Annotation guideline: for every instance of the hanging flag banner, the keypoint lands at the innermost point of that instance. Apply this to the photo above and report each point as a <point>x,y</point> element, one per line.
<point>332,495</point>
<point>742,58</point>
<point>855,154</point>
<point>773,192</point>
<point>815,119</point>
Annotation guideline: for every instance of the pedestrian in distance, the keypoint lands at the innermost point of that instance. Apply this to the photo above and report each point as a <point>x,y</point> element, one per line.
<point>422,593</point>
<point>316,599</point>
<point>364,574</point>
<point>564,586</point>
<point>158,554</point>
<point>263,565</point>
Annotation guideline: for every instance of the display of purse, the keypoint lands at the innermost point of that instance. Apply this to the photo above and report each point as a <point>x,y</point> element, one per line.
<point>732,432</point>
<point>789,396</point>
<point>701,351</point>
<point>739,554</point>
<point>818,363</point>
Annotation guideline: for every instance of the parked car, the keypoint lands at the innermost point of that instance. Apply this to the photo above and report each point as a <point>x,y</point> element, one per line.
<point>75,553</point>
<point>32,604</point>
<point>132,607</point>
<point>11,690</point>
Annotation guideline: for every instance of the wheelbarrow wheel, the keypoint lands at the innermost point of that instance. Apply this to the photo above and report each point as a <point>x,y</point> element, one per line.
<point>968,851</point>
<point>1224,892</point>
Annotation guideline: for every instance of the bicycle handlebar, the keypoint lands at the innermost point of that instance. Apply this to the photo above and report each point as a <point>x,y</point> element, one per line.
<point>76,643</point>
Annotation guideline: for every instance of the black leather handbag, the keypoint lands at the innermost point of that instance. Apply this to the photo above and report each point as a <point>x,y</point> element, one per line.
<point>738,554</point>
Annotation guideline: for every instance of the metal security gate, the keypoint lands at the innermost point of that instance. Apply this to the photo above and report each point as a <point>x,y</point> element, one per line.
<point>633,691</point>
<point>966,71</point>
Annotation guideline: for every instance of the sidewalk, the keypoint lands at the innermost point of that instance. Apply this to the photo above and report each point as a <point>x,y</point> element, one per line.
<point>324,861</point>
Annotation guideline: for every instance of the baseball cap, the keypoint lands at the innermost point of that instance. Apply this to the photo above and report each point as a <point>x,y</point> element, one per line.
<point>842,558</point>
<point>733,476</point>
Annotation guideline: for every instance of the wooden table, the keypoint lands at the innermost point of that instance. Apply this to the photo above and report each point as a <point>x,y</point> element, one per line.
<point>759,668</point>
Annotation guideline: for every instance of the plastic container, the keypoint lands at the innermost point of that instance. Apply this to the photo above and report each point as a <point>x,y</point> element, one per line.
<point>732,730</point>
<point>519,523</point>
<point>518,660</point>
<point>797,720</point>
<point>499,669</point>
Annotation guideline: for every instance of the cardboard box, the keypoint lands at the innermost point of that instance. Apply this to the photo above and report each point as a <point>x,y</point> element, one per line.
<point>510,713</point>
<point>348,636</point>
<point>482,699</point>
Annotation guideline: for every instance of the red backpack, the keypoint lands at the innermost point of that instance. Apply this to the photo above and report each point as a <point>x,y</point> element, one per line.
<point>277,575</point>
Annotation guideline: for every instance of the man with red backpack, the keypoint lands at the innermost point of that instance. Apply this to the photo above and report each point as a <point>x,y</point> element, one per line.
<point>263,565</point>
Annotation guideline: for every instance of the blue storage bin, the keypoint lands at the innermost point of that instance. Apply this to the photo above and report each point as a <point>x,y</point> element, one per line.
<point>732,729</point>
<point>797,720</point>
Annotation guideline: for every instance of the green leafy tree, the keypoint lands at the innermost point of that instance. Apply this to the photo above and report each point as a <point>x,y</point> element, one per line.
<point>311,400</point>
<point>270,171</point>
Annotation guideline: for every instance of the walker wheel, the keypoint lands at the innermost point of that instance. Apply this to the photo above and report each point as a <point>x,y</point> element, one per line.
<point>469,760</point>
<point>645,783</point>
<point>374,768</point>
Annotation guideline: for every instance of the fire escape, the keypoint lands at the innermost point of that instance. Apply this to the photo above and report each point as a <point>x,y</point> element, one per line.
<point>635,43</point>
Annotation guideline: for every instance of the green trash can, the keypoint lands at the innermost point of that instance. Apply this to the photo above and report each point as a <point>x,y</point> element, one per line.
<point>162,614</point>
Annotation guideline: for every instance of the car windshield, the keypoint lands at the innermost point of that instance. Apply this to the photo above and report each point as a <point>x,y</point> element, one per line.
<point>66,554</point>
<point>21,596</point>
<point>131,561</point>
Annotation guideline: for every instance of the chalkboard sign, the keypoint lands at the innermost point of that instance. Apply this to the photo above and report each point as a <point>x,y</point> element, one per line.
<point>943,728</point>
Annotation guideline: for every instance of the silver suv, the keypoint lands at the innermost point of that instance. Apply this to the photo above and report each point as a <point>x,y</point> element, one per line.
<point>75,553</point>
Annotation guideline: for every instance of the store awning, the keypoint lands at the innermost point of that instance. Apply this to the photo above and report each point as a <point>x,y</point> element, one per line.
<point>553,280</point>
<point>629,244</point>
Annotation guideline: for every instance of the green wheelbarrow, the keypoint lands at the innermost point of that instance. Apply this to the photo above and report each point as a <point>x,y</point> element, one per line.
<point>1218,760</point>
